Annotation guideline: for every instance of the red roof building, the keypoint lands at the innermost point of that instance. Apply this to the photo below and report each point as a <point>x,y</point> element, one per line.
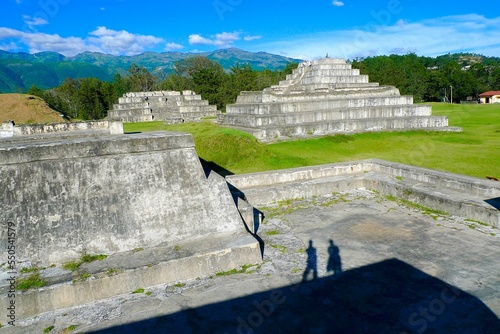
<point>493,96</point>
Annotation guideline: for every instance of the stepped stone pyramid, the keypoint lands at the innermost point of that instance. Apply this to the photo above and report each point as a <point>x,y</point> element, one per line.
<point>169,106</point>
<point>327,96</point>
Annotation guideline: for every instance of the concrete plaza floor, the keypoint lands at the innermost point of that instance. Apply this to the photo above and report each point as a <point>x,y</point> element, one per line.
<point>399,270</point>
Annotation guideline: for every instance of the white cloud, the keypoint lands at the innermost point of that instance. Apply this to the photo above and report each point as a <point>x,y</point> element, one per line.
<point>337,3</point>
<point>121,42</point>
<point>100,40</point>
<point>197,39</point>
<point>463,33</point>
<point>11,46</point>
<point>173,47</point>
<point>223,40</point>
<point>251,38</point>
<point>34,21</point>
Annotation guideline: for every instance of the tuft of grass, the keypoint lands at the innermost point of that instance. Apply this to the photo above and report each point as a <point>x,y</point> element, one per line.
<point>400,178</point>
<point>138,249</point>
<point>177,248</point>
<point>273,232</point>
<point>140,290</point>
<point>282,249</point>
<point>71,265</point>
<point>70,328</point>
<point>113,271</point>
<point>82,277</point>
<point>33,281</point>
<point>48,329</point>
<point>179,285</point>
<point>85,258</point>
<point>27,270</point>
<point>235,271</point>
<point>476,222</point>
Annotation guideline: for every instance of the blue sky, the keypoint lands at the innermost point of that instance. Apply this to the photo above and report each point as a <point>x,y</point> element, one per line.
<point>300,29</point>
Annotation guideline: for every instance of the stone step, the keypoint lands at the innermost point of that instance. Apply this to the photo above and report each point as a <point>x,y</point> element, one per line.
<point>190,109</point>
<point>343,86</point>
<point>317,105</point>
<point>331,72</point>
<point>328,91</point>
<point>129,112</point>
<point>273,132</point>
<point>334,79</point>
<point>322,67</point>
<point>124,106</point>
<point>327,115</point>
<point>346,114</point>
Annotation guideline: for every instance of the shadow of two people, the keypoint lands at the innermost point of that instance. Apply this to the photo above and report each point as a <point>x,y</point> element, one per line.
<point>334,263</point>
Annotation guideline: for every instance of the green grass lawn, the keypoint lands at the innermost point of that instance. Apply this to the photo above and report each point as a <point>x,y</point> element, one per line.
<point>475,151</point>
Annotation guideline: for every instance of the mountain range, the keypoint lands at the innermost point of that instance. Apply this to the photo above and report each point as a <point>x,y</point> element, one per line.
<point>20,71</point>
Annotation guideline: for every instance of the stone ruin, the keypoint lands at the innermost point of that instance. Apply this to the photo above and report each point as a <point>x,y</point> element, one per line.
<point>145,200</point>
<point>169,106</point>
<point>327,96</point>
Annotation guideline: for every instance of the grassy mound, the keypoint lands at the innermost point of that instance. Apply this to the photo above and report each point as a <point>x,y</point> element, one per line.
<point>23,108</point>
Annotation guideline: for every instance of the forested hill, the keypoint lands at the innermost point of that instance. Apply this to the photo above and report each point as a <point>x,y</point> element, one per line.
<point>429,79</point>
<point>46,70</point>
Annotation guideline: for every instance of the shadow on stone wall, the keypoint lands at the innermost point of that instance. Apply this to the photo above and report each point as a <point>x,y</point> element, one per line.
<point>209,166</point>
<point>386,297</point>
<point>494,202</point>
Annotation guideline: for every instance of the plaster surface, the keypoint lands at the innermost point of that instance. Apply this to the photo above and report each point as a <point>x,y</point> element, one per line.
<point>403,271</point>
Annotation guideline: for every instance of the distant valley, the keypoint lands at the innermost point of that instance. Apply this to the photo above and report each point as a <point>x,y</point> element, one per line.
<point>20,71</point>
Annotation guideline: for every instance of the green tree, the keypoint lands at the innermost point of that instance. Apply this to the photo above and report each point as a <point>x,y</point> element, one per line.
<point>139,79</point>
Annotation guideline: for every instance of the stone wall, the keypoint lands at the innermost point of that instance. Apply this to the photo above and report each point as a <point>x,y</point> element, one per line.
<point>108,194</point>
<point>9,129</point>
<point>459,195</point>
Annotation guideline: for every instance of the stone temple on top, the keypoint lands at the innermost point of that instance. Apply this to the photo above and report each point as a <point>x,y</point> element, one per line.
<point>327,96</point>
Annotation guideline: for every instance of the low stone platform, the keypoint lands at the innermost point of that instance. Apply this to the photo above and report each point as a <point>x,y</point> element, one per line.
<point>169,106</point>
<point>401,271</point>
<point>88,192</point>
<point>473,198</point>
<point>125,272</point>
<point>327,96</point>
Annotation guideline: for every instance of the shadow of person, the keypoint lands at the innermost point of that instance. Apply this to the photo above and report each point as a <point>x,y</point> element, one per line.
<point>312,262</point>
<point>334,262</point>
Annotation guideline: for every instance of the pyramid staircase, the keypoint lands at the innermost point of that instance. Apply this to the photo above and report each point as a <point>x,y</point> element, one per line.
<point>327,96</point>
<point>169,106</point>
